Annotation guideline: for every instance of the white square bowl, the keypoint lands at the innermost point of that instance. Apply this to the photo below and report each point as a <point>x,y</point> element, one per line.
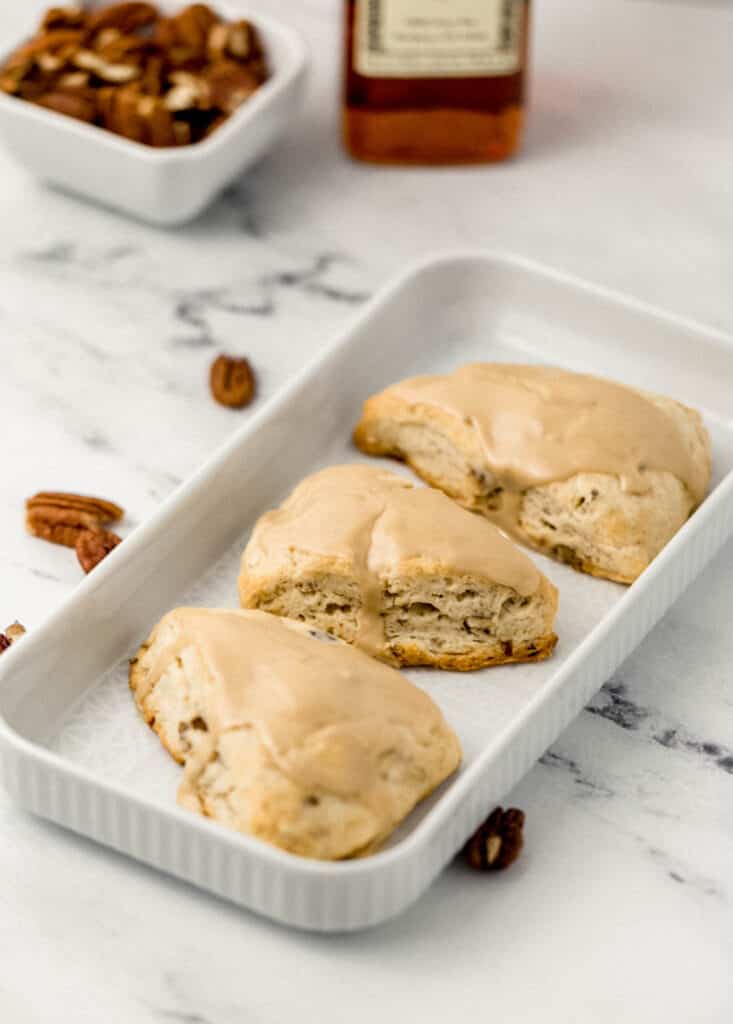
<point>163,186</point>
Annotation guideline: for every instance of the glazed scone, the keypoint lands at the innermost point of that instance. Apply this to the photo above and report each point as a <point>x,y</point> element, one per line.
<point>306,744</point>
<point>588,471</point>
<point>400,571</point>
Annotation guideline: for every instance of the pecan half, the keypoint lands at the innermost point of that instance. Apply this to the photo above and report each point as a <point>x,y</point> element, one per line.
<point>236,40</point>
<point>94,545</point>
<point>48,43</point>
<point>119,111</point>
<point>50,63</point>
<point>232,382</point>
<point>107,37</point>
<point>218,38</point>
<point>12,633</point>
<point>127,17</point>
<point>158,122</point>
<point>240,43</point>
<point>60,517</point>
<point>498,842</point>
<point>117,74</point>
<point>29,70</point>
<point>118,49</point>
<point>10,80</point>
<point>63,102</point>
<point>63,17</point>
<point>192,26</point>
<point>182,133</point>
<point>188,92</point>
<point>75,82</point>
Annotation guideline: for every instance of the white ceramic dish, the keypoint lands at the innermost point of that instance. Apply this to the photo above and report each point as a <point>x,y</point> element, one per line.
<point>163,186</point>
<point>74,748</point>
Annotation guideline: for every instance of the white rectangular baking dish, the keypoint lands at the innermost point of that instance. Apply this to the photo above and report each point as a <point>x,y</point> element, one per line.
<point>74,749</point>
<point>163,186</point>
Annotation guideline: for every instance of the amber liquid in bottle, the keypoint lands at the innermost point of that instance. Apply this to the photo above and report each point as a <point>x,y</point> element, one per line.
<point>434,81</point>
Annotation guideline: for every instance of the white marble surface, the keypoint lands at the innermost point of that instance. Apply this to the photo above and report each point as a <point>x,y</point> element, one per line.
<point>620,908</point>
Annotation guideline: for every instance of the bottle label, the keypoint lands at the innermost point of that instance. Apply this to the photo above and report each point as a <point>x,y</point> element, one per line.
<point>437,38</point>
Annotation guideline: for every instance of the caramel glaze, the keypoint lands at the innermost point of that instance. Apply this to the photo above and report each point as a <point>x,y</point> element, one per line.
<point>536,425</point>
<point>373,524</point>
<point>324,712</point>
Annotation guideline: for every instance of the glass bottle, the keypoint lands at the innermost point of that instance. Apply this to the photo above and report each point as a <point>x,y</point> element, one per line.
<point>434,81</point>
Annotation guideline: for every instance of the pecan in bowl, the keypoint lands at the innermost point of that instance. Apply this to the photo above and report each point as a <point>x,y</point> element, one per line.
<point>159,80</point>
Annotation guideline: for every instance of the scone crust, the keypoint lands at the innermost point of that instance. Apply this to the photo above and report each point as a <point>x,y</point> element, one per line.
<point>231,775</point>
<point>143,701</point>
<point>410,655</point>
